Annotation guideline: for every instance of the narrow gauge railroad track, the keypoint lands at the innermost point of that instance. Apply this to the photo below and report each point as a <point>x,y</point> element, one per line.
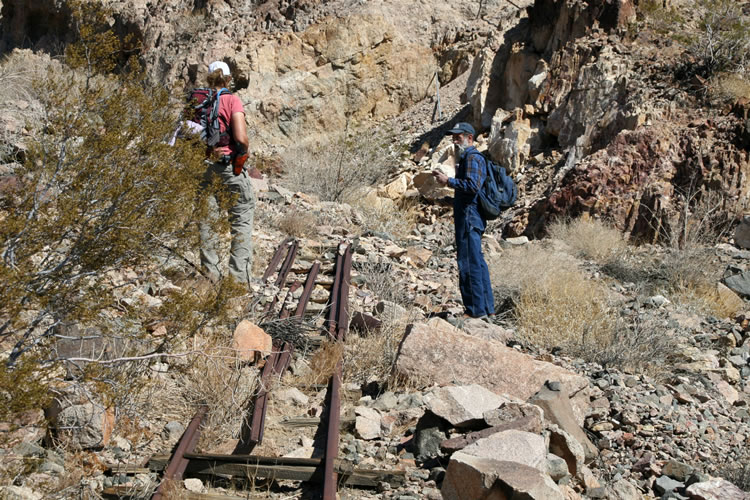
<point>328,470</point>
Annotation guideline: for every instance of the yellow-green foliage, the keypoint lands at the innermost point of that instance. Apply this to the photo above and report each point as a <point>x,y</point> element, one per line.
<point>590,238</point>
<point>100,190</point>
<point>21,388</point>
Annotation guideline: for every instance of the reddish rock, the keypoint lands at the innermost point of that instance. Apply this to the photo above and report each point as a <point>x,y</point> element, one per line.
<point>251,342</point>
<point>715,489</point>
<point>437,352</point>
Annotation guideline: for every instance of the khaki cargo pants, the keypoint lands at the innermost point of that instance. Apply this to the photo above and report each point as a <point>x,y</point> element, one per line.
<point>240,220</point>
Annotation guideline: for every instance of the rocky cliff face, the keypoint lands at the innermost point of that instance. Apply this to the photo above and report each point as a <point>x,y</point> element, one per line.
<point>586,114</point>
<point>303,68</point>
<point>628,142</point>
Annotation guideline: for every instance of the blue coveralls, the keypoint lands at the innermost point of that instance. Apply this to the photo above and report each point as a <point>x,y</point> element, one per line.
<point>473,275</point>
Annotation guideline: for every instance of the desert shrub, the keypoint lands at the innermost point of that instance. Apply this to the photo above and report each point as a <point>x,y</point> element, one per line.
<point>336,169</point>
<point>377,276</point>
<point>373,354</point>
<point>214,376</point>
<point>729,87</point>
<point>297,223</point>
<point>555,305</point>
<point>394,220</point>
<point>100,191</point>
<point>589,238</point>
<point>714,31</point>
<point>639,346</point>
<point>567,310</point>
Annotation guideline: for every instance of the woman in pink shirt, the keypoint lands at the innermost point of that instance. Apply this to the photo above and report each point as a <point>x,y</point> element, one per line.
<point>233,143</point>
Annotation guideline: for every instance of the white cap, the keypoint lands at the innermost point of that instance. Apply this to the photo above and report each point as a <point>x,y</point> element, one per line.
<point>219,65</point>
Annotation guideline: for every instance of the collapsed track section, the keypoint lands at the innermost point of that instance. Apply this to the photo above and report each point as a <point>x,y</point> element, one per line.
<point>327,470</point>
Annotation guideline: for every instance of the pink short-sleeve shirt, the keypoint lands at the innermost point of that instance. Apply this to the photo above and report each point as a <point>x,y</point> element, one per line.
<point>228,105</point>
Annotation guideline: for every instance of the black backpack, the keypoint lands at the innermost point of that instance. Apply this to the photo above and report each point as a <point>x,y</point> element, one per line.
<point>205,106</point>
<point>498,192</point>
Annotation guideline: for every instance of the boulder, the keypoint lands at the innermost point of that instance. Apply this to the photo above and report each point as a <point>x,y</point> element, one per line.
<point>469,478</point>
<point>367,422</point>
<point>251,342</point>
<point>742,233</point>
<point>715,489</point>
<point>511,446</point>
<point>566,447</point>
<point>463,406</point>
<point>85,426</point>
<point>554,400</point>
<point>437,352</point>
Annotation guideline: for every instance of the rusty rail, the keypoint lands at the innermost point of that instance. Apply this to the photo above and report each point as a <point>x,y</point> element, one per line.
<point>337,325</point>
<point>307,290</point>
<point>251,433</point>
<point>177,462</point>
<point>283,274</point>
<point>337,322</point>
<point>275,259</point>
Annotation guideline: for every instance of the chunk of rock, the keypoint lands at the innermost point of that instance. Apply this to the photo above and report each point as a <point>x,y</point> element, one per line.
<point>367,422</point>
<point>565,446</point>
<point>19,493</point>
<point>391,312</point>
<point>463,406</point>
<point>742,233</point>
<point>515,410</point>
<point>251,342</point>
<point>665,484</point>
<point>715,489</point>
<point>677,470</point>
<point>556,467</point>
<point>84,426</point>
<point>291,395</point>
<point>469,477</point>
<point>430,432</point>
<point>623,490</point>
<point>511,446</point>
<point>487,331</point>
<point>554,400</point>
<point>193,484</point>
<point>437,352</point>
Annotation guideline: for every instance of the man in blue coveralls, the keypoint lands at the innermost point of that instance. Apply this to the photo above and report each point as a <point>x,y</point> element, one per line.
<point>473,275</point>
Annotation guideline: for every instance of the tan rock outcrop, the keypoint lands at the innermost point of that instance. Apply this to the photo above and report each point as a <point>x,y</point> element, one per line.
<point>437,352</point>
